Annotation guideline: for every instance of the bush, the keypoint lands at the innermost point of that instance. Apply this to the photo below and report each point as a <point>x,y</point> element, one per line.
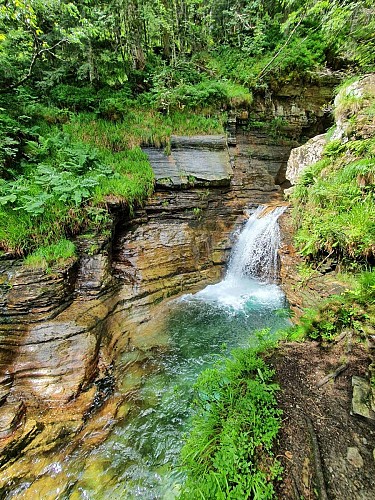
<point>74,98</point>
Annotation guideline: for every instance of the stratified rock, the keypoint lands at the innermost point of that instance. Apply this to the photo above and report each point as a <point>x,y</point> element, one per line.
<point>211,142</point>
<point>197,160</point>
<point>6,382</point>
<point>10,416</point>
<point>298,109</point>
<point>34,294</point>
<point>304,156</point>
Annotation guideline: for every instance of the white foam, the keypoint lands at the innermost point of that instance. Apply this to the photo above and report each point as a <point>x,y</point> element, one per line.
<point>252,268</point>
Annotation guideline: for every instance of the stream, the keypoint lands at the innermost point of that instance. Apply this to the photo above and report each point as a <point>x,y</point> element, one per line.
<point>139,459</point>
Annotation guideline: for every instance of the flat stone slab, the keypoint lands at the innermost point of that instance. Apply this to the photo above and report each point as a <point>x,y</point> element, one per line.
<point>210,142</point>
<point>194,161</point>
<point>361,398</point>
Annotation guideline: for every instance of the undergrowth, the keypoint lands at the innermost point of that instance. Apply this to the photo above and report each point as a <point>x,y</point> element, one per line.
<point>353,311</point>
<point>45,257</point>
<point>63,187</point>
<point>228,453</point>
<point>335,198</point>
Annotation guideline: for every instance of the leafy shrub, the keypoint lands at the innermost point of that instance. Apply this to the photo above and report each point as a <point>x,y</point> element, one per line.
<point>73,97</point>
<point>62,181</point>
<point>10,143</point>
<point>302,54</point>
<point>229,451</point>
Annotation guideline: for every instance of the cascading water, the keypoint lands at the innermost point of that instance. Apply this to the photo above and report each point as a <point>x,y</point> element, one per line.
<point>253,264</point>
<point>139,459</point>
<point>255,253</point>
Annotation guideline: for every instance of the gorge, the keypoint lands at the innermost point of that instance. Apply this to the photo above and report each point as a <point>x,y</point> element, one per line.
<point>88,351</point>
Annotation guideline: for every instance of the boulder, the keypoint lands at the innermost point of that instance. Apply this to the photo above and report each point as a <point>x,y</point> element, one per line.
<point>304,156</point>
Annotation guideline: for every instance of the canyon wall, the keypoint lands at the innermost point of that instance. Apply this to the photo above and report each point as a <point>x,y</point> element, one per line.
<point>61,331</point>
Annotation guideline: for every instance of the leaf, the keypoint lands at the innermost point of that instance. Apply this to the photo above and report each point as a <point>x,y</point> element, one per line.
<point>11,198</point>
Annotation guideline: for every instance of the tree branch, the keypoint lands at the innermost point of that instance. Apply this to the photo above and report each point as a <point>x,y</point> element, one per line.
<point>282,48</point>
<point>37,54</point>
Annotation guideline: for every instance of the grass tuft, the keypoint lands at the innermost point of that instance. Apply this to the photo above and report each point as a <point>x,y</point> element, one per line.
<point>60,253</point>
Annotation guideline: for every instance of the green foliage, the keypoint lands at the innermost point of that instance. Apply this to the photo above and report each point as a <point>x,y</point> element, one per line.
<point>334,199</point>
<point>302,54</point>
<point>205,95</point>
<point>10,139</point>
<point>62,188</point>
<point>73,97</point>
<point>59,254</point>
<point>229,450</point>
<point>353,310</point>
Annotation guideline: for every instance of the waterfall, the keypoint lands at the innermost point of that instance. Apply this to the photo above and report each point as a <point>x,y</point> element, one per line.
<point>255,252</point>
<point>252,269</point>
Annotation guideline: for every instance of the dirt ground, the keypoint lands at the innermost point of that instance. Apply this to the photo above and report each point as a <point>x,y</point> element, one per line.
<point>326,452</point>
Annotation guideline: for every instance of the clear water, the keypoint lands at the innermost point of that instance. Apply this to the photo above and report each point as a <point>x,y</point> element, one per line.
<point>140,459</point>
<point>141,455</point>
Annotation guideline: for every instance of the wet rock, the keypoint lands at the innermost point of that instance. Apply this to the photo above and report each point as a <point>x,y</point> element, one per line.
<point>10,417</point>
<point>6,382</point>
<point>361,398</point>
<point>354,457</point>
<point>35,294</point>
<point>94,276</point>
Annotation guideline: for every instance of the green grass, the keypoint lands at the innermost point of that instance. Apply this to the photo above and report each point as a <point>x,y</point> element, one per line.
<point>142,127</point>
<point>58,253</point>
<point>335,204</point>
<point>228,453</point>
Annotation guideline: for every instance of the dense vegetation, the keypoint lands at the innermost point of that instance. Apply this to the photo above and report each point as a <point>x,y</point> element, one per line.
<point>229,451</point>
<point>334,210</point>
<point>334,200</point>
<point>85,83</point>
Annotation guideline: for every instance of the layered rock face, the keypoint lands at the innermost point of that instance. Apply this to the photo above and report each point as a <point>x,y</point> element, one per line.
<point>61,331</point>
<point>301,109</point>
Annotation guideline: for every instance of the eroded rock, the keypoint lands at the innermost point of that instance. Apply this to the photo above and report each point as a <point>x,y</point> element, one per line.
<point>304,156</point>
<point>10,417</point>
